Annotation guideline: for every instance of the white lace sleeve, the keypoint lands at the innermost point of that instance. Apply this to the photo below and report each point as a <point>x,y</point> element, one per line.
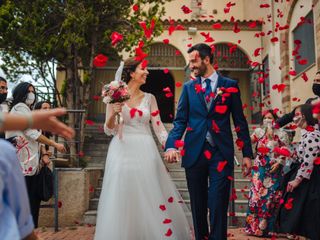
<point>107,130</point>
<point>157,124</point>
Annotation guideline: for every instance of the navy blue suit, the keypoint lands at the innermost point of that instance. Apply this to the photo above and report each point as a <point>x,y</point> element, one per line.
<point>192,112</point>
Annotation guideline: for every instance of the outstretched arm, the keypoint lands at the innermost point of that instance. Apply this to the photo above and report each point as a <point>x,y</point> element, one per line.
<point>157,124</point>
<point>39,119</point>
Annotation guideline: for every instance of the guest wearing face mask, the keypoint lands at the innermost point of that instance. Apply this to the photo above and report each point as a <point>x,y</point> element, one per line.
<point>3,97</point>
<point>287,118</point>
<point>300,212</point>
<point>26,143</point>
<point>266,173</point>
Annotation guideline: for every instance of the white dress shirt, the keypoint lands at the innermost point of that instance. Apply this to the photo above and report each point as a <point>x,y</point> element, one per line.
<point>214,81</point>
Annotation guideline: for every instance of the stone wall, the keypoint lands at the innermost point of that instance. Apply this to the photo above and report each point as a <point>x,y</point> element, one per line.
<point>74,194</point>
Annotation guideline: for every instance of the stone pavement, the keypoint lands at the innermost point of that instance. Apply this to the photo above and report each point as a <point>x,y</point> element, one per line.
<point>87,232</point>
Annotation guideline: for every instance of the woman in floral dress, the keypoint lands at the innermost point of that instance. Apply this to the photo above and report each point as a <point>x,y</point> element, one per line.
<point>264,197</point>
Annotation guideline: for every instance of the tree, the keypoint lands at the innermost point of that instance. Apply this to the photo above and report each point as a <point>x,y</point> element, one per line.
<point>71,33</point>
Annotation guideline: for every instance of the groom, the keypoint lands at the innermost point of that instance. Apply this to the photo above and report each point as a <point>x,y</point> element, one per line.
<point>204,109</point>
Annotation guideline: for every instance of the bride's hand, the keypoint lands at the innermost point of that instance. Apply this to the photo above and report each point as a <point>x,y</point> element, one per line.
<point>117,107</point>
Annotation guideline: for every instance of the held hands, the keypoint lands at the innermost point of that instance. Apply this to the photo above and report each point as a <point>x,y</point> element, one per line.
<point>246,166</point>
<point>172,156</point>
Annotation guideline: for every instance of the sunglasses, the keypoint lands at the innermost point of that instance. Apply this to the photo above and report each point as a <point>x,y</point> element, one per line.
<point>3,88</point>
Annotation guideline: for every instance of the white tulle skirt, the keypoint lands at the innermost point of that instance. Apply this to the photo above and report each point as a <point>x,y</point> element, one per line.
<point>139,201</point>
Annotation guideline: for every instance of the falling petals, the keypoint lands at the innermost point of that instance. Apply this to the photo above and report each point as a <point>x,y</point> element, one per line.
<point>216,26</point>
<point>186,10</point>
<point>167,221</point>
<point>163,207</point>
<point>89,122</point>
<point>115,38</point>
<point>100,60</point>
<point>215,127</point>
<point>239,143</point>
<point>155,113</point>
<point>179,143</point>
<point>207,154</point>
<point>168,233</point>
<point>288,205</point>
<point>170,199</point>
<point>221,165</point>
<point>282,151</point>
<point>221,109</point>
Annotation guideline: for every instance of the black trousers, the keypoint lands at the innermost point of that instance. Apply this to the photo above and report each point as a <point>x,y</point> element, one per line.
<point>209,188</point>
<point>34,201</point>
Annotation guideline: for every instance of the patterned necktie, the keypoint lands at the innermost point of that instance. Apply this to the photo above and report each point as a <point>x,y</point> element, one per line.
<point>208,90</point>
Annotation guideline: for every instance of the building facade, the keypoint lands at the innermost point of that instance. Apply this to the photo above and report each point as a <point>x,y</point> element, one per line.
<point>272,48</point>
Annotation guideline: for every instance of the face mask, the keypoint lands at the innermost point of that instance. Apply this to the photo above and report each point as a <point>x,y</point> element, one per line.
<point>3,97</point>
<point>316,89</point>
<point>267,122</point>
<point>30,99</point>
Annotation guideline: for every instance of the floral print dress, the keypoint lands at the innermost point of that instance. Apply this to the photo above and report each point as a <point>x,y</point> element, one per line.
<point>264,197</point>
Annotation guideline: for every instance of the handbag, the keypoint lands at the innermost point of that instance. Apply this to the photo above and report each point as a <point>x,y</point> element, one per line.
<point>45,178</point>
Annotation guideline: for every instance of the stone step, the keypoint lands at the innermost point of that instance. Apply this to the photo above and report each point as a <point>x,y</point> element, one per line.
<point>95,153</point>
<point>177,173</point>
<point>180,182</point>
<point>241,206</point>
<point>93,203</point>
<point>90,217</point>
<point>96,147</point>
<point>240,183</point>
<point>184,193</point>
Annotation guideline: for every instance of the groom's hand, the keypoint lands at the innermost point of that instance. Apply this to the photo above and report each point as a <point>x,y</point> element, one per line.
<point>171,156</point>
<point>246,166</point>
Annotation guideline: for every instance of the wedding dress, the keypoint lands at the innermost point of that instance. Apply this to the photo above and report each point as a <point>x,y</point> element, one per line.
<point>139,201</point>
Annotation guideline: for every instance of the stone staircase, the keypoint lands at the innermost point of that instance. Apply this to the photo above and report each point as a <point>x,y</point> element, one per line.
<point>95,149</point>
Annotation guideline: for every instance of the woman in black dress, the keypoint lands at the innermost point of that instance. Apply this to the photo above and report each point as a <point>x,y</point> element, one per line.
<point>300,212</point>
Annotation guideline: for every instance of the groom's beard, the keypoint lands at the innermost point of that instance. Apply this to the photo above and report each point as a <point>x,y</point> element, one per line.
<point>200,71</point>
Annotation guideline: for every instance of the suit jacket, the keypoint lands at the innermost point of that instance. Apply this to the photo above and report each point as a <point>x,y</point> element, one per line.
<point>192,112</point>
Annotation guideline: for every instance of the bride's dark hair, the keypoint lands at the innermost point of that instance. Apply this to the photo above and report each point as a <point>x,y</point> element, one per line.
<point>130,66</point>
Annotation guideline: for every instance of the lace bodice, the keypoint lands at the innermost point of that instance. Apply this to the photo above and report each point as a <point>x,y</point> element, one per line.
<point>137,120</point>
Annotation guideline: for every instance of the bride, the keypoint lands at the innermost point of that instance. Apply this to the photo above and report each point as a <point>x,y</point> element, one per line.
<point>138,199</point>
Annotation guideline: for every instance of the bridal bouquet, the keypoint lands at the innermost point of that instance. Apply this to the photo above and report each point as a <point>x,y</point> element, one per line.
<point>115,92</point>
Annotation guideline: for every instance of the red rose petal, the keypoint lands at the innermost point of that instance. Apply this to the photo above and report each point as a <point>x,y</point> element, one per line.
<point>170,199</point>
<point>167,221</point>
<point>115,38</point>
<point>221,109</point>
<point>215,127</point>
<point>162,207</point>
<point>221,165</point>
<point>216,26</point>
<point>169,232</point>
<point>207,154</point>
<point>89,122</point>
<point>100,60</point>
<point>179,143</point>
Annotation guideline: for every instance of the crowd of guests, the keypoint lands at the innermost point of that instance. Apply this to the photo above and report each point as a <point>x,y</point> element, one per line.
<point>285,187</point>
<point>23,152</point>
